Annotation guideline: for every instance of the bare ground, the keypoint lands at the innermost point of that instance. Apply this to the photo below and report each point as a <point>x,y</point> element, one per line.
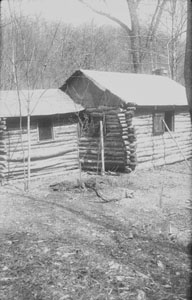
<point>69,244</point>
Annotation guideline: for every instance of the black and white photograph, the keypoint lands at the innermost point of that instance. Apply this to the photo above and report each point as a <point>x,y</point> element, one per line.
<point>95,149</point>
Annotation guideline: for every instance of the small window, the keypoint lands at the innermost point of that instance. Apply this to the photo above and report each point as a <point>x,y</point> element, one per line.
<point>169,120</point>
<point>90,126</point>
<point>95,127</point>
<point>158,126</point>
<point>159,119</point>
<point>45,129</point>
<point>14,124</point>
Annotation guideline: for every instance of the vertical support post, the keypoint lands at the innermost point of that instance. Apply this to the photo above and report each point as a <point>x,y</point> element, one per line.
<point>78,153</point>
<point>102,149</point>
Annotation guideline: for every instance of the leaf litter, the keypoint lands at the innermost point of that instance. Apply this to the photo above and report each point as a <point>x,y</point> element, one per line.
<point>94,250</point>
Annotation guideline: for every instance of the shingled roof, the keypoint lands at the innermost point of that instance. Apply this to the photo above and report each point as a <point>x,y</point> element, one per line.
<point>42,102</point>
<point>141,89</point>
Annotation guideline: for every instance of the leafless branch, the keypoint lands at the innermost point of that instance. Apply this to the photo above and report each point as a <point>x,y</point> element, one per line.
<point>107,15</point>
<point>155,21</point>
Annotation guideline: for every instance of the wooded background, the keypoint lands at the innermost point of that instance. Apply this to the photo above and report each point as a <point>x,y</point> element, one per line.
<point>41,54</point>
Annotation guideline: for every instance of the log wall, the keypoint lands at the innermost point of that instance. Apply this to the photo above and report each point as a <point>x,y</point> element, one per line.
<point>157,150</point>
<point>47,157</point>
<point>119,141</point>
<point>3,151</point>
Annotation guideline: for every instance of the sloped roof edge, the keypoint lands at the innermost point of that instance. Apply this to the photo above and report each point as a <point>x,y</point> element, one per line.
<point>141,89</point>
<point>42,102</point>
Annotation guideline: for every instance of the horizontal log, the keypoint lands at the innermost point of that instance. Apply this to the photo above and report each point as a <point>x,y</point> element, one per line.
<point>113,148</point>
<point>107,145</point>
<point>18,132</point>
<point>154,157</point>
<point>168,146</point>
<point>159,162</point>
<point>108,150</point>
<point>126,142</point>
<point>55,145</point>
<point>39,150</point>
<point>40,173</point>
<point>161,138</point>
<point>34,135</point>
<point>44,162</point>
<point>18,139</point>
<point>92,143</point>
<point>113,135</point>
<point>122,120</point>
<point>43,165</point>
<point>124,130</point>
<point>113,126</point>
<point>171,143</point>
<point>89,139</point>
<point>112,122</point>
<point>106,156</point>
<point>113,162</point>
<point>121,114</point>
<point>43,154</point>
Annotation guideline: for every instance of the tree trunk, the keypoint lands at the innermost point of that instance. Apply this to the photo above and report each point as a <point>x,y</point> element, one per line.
<point>134,34</point>
<point>188,57</point>
<point>0,39</point>
<point>188,85</point>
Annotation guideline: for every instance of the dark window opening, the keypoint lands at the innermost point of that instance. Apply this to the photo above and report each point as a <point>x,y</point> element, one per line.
<point>45,129</point>
<point>95,127</point>
<point>159,121</point>
<point>90,126</point>
<point>158,126</point>
<point>169,120</point>
<point>15,123</point>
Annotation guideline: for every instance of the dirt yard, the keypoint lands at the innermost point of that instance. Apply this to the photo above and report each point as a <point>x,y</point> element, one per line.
<point>70,244</point>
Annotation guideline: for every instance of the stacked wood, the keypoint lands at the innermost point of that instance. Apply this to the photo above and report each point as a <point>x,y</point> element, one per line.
<point>119,135</point>
<point>131,138</point>
<point>3,152</point>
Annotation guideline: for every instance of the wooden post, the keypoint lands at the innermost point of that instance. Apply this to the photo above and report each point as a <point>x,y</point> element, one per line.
<point>78,153</point>
<point>29,147</point>
<point>102,149</point>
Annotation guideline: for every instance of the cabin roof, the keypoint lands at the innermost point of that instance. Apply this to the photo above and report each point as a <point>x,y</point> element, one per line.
<point>42,102</point>
<point>140,89</point>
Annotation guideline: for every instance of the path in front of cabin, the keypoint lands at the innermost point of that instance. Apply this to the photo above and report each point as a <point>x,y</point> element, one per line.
<point>123,237</point>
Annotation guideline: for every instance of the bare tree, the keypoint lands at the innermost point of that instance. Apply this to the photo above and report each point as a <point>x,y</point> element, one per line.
<point>177,12</point>
<point>22,56</point>
<point>188,57</point>
<point>133,31</point>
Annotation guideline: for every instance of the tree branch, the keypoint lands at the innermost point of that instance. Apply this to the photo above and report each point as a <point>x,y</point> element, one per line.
<point>107,15</point>
<point>155,21</point>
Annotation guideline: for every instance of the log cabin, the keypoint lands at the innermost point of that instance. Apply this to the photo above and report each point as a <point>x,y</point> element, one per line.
<point>146,118</point>
<point>53,133</point>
